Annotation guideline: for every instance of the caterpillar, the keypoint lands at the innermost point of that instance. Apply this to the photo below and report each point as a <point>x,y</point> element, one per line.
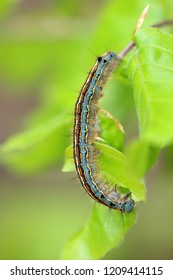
<point>85,131</point>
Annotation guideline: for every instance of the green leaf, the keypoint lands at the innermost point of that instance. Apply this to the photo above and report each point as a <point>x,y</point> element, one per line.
<point>103,231</point>
<point>111,131</point>
<point>114,166</point>
<point>151,72</point>
<point>142,156</point>
<point>37,148</point>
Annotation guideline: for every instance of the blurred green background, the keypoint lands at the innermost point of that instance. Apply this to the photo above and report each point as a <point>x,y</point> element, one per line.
<point>46,50</point>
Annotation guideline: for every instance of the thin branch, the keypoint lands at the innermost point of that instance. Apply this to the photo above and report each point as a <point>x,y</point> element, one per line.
<point>163,23</point>
<point>128,48</point>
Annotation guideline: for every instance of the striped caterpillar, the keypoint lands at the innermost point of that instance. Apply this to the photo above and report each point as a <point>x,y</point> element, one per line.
<point>86,130</point>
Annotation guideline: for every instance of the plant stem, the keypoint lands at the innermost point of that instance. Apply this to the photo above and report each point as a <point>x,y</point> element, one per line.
<point>128,48</point>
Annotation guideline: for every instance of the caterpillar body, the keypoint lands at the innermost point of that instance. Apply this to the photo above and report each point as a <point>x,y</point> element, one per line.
<point>86,129</point>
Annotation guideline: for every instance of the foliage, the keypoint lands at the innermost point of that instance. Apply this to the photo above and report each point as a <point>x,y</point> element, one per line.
<point>147,71</point>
